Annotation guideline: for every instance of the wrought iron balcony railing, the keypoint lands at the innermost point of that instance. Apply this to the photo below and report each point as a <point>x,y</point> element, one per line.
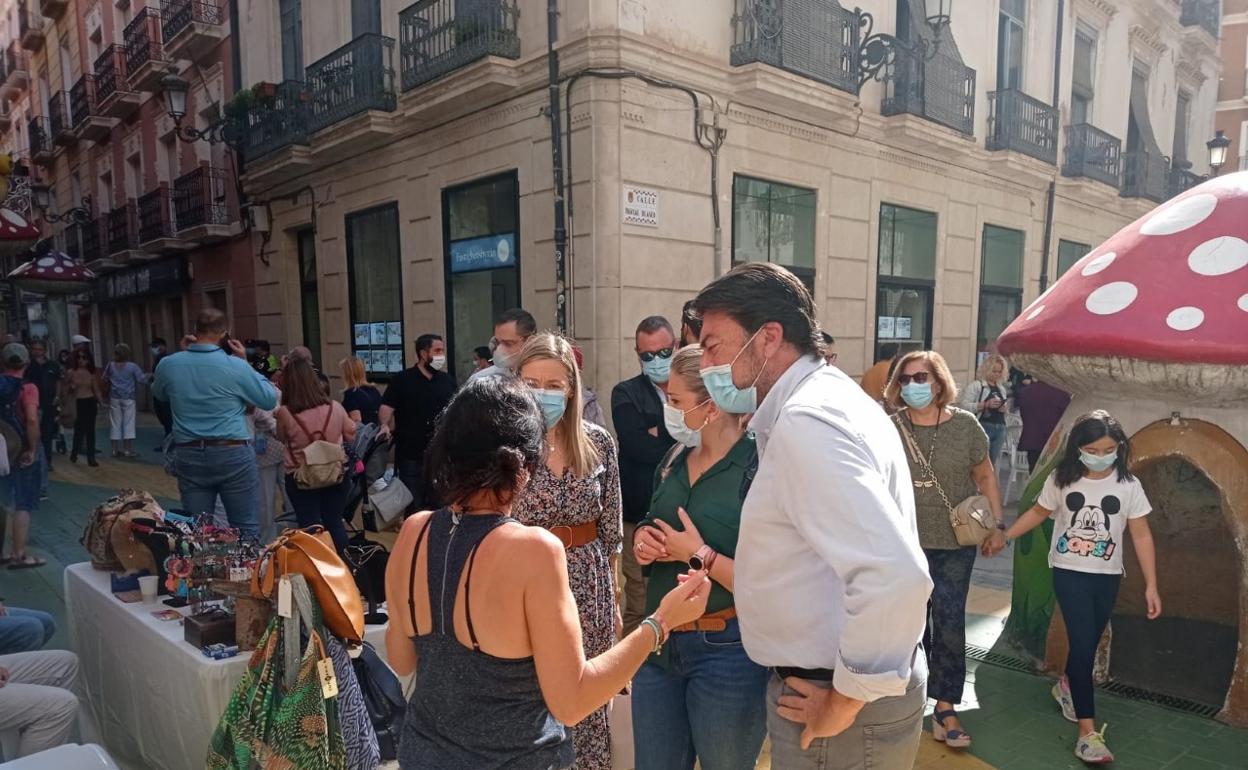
<point>440,36</point>
<point>39,136</point>
<point>91,240</point>
<point>110,72</point>
<point>15,60</point>
<point>357,77</point>
<point>1203,13</point>
<point>121,230</point>
<point>935,86</point>
<point>70,240</point>
<point>177,15</point>
<point>142,38</point>
<point>1018,122</point>
<point>201,198</point>
<point>59,121</point>
<point>1181,180</point>
<point>1092,153</point>
<point>273,123</point>
<point>82,100</point>
<point>29,25</point>
<point>155,215</point>
<point>1144,175</point>
<point>817,39</point>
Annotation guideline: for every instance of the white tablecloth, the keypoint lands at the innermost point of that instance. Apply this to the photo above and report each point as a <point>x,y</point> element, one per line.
<point>156,698</point>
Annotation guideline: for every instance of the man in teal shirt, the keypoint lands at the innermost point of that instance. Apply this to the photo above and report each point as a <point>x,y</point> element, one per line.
<point>209,392</point>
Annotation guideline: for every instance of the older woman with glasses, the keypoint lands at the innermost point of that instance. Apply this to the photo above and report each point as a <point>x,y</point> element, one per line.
<point>952,443</point>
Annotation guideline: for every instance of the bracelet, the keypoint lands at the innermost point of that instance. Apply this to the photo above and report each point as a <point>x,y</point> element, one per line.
<point>653,625</point>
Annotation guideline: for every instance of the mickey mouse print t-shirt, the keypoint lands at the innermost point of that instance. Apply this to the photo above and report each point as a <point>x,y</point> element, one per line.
<point>1090,520</point>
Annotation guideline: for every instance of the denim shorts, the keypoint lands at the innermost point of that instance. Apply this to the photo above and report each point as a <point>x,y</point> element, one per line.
<point>21,489</point>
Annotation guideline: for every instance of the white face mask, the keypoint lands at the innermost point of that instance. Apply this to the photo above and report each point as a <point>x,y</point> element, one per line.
<point>438,363</point>
<point>674,421</point>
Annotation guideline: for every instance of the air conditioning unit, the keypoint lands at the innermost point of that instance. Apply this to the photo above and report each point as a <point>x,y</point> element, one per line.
<point>257,217</point>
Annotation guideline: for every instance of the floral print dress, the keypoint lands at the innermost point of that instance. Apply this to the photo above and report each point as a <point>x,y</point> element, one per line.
<point>551,501</point>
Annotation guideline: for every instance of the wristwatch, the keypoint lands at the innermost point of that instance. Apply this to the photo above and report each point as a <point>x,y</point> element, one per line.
<point>703,558</point>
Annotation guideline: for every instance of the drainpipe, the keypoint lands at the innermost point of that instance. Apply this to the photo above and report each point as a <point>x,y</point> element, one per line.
<point>1045,258</point>
<point>556,162</point>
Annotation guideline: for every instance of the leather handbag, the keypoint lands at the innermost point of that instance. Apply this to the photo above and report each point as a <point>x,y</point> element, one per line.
<point>389,502</point>
<point>383,696</point>
<point>97,536</point>
<point>972,520</point>
<point>310,553</point>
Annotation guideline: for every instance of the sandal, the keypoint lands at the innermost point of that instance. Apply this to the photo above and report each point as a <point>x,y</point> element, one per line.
<point>26,562</point>
<point>951,737</point>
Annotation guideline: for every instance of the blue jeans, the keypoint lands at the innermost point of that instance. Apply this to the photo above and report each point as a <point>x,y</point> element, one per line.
<point>226,471</point>
<point>323,507</point>
<point>24,630</point>
<point>996,440</point>
<point>22,488</point>
<point>709,704</point>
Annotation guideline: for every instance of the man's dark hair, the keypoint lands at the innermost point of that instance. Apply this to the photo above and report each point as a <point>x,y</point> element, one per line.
<point>652,324</point>
<point>210,321</point>
<point>263,345</point>
<point>761,292</point>
<point>888,351</point>
<point>159,341</point>
<point>490,434</point>
<point>526,325</point>
<point>425,341</point>
<point>483,352</point>
<point>827,338</point>
<point>689,317</point>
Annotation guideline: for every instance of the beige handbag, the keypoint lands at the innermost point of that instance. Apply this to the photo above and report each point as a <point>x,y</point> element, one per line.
<point>971,519</point>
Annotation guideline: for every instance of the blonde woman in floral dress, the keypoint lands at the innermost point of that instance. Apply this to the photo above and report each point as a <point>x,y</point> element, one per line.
<point>576,495</point>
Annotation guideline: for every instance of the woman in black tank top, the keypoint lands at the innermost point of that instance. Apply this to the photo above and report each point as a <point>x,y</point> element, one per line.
<point>482,611</point>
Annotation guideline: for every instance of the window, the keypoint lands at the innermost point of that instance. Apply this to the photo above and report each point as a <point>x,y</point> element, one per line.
<point>365,17</point>
<point>376,276</point>
<point>1182,116</point>
<point>1011,40</point>
<point>1068,253</point>
<point>1083,77</point>
<point>134,178</point>
<point>481,222</point>
<point>291,13</point>
<point>907,278</point>
<point>774,222</point>
<point>216,298</point>
<point>310,303</point>
<point>1000,282</point>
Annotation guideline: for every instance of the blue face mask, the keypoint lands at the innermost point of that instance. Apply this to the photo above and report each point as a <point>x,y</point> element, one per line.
<point>726,395</point>
<point>1098,463</point>
<point>915,395</point>
<point>658,369</point>
<point>674,421</point>
<point>553,404</point>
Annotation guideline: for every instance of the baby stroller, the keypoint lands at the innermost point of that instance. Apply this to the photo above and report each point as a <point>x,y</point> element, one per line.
<point>372,452</point>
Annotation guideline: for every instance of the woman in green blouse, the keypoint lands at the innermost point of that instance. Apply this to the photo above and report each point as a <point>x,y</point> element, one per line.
<point>701,698</point>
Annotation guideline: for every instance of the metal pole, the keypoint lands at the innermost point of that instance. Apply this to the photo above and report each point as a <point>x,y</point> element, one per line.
<point>556,162</point>
<point>1051,199</point>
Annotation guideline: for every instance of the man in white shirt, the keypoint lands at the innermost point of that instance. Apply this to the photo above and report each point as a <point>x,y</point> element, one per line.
<point>830,583</point>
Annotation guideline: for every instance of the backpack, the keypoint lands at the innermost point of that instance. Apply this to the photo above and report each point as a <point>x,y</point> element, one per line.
<point>324,462</point>
<point>12,428</point>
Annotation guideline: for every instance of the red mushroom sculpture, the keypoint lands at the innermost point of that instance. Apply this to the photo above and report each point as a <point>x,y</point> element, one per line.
<point>17,233</point>
<point>1152,325</point>
<point>52,272</point>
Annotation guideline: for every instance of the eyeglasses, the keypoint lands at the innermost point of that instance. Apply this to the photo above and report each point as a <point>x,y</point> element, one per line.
<point>648,356</point>
<point>919,378</point>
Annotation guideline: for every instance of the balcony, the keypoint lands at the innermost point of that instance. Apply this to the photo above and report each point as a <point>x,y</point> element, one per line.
<point>1200,13</point>
<point>157,233</point>
<point>16,70</point>
<point>1182,179</point>
<point>53,9</point>
<point>936,86</point>
<point>6,116</point>
<point>356,78</point>
<point>1145,175</point>
<point>437,37</point>
<point>1092,153</point>
<point>1020,123</point>
<point>39,137</point>
<point>145,55</point>
<point>122,236</point>
<point>271,124</point>
<point>60,121</point>
<point>202,207</point>
<point>69,240</point>
<point>191,28</point>
<point>816,40</point>
<point>94,255</point>
<point>30,28</point>
<point>112,90</point>
<point>88,121</point>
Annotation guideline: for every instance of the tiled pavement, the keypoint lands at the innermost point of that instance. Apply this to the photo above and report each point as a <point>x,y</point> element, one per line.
<point>1015,724</point>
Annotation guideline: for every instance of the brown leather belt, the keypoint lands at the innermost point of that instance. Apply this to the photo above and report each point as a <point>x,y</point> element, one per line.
<point>576,535</point>
<point>716,621</point>
<point>205,442</point>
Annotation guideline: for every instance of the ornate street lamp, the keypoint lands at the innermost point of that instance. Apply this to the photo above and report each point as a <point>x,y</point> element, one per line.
<point>1218,147</point>
<point>175,90</point>
<point>41,199</point>
<point>879,50</point>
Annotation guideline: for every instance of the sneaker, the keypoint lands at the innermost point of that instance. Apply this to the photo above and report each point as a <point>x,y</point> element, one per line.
<point>1061,694</point>
<point>1091,748</point>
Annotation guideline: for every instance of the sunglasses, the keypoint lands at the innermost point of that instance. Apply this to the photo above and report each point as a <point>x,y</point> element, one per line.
<point>918,378</point>
<point>647,357</point>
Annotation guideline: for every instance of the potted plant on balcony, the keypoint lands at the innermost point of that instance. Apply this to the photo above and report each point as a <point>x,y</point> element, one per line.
<point>264,89</point>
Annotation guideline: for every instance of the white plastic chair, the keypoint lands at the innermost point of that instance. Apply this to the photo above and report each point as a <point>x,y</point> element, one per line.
<point>1018,458</point>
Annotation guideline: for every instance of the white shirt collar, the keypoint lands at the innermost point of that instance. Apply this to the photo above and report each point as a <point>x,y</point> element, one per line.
<point>768,412</point>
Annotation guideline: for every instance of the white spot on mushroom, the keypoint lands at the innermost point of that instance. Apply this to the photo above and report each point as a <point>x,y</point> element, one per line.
<point>13,217</point>
<point>1112,298</point>
<point>1219,256</point>
<point>1243,303</point>
<point>1033,314</point>
<point>58,269</point>
<point>1185,319</point>
<point>47,262</point>
<point>1099,263</point>
<point>1181,215</point>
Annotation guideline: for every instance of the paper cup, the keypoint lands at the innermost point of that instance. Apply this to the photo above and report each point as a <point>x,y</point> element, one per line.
<point>149,586</point>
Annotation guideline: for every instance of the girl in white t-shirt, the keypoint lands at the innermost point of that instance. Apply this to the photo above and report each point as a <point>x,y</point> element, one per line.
<point>1094,500</point>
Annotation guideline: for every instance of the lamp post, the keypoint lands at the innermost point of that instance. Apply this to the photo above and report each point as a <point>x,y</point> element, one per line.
<point>879,50</point>
<point>41,198</point>
<point>175,90</point>
<point>1218,147</point>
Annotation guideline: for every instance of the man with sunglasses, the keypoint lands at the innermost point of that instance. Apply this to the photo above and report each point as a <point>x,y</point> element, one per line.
<point>637,411</point>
